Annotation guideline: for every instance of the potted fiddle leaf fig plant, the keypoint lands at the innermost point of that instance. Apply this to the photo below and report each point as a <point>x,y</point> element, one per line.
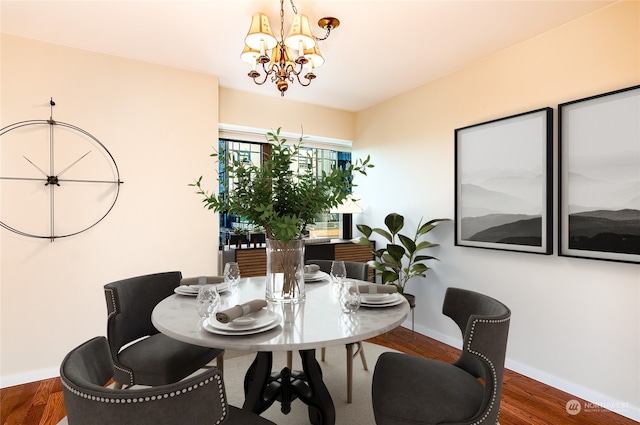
<point>282,197</point>
<point>401,259</point>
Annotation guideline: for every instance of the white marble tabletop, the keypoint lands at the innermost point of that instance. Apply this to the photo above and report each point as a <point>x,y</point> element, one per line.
<point>317,322</point>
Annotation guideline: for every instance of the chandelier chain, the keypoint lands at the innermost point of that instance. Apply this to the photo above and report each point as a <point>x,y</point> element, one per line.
<point>282,19</point>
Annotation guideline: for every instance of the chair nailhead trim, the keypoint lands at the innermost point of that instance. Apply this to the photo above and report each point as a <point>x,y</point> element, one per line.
<point>113,301</point>
<point>114,312</point>
<point>489,362</point>
<point>127,371</point>
<point>129,399</point>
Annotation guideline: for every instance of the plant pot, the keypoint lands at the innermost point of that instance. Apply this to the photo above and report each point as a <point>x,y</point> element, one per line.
<point>285,271</point>
<point>411,299</point>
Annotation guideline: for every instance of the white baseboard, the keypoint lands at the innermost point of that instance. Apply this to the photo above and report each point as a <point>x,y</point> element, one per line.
<point>30,376</point>
<point>594,399</point>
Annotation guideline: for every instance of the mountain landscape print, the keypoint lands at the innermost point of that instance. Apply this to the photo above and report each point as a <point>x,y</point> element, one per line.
<point>502,177</point>
<point>600,177</point>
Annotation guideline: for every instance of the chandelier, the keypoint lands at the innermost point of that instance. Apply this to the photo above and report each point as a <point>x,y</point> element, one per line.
<point>274,56</point>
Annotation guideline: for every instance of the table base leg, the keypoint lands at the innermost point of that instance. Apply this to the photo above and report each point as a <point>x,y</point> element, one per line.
<point>262,388</point>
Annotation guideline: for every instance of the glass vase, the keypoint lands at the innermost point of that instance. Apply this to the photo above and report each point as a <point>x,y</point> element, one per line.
<point>285,271</point>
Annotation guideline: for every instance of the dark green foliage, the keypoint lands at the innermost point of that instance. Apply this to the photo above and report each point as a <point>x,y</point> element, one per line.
<point>389,260</point>
<point>277,196</point>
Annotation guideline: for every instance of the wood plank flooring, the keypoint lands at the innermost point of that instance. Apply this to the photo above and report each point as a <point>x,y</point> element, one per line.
<point>524,401</point>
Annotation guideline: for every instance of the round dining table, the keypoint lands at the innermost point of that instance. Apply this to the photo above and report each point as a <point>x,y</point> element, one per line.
<point>314,323</point>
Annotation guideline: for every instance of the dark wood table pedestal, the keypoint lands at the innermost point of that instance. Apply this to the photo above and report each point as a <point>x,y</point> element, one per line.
<point>262,387</point>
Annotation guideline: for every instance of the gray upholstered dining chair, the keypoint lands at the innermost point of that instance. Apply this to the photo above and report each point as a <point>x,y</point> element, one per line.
<point>413,390</point>
<point>197,400</point>
<point>358,271</point>
<point>150,357</point>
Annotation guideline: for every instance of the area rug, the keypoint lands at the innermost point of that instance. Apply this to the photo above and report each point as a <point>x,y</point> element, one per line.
<point>334,371</point>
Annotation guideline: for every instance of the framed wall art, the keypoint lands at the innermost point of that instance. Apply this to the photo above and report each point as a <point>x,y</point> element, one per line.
<point>504,183</point>
<point>599,176</point>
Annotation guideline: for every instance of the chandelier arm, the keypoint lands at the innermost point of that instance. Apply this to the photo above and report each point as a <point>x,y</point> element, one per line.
<point>300,81</point>
<point>266,75</point>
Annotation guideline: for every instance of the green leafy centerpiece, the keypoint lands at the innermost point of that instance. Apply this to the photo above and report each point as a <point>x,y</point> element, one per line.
<point>282,197</point>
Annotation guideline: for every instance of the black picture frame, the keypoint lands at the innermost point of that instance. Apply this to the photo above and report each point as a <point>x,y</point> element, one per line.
<point>599,177</point>
<point>504,183</point>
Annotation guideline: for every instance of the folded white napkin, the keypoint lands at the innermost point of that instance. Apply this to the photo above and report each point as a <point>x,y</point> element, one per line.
<point>202,280</point>
<point>377,289</point>
<point>240,310</point>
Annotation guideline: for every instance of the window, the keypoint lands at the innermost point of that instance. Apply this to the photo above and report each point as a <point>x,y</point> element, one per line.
<point>325,226</point>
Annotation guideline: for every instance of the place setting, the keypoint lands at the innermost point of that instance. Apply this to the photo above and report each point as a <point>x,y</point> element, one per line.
<point>190,286</point>
<point>192,290</point>
<point>243,319</point>
<point>379,296</point>
<point>313,274</point>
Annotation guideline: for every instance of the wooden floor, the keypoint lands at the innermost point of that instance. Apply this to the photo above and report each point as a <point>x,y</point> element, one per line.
<point>524,401</point>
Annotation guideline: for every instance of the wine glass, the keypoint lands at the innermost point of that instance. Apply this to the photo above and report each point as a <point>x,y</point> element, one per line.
<point>349,297</point>
<point>231,274</point>
<point>338,271</point>
<point>208,301</point>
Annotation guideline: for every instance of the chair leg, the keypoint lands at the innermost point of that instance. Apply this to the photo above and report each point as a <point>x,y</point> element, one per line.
<point>322,353</point>
<point>360,350</point>
<point>290,360</point>
<point>349,348</point>
<point>220,363</point>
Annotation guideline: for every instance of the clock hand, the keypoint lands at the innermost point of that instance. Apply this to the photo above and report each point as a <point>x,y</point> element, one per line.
<point>73,163</point>
<point>90,181</point>
<point>39,169</point>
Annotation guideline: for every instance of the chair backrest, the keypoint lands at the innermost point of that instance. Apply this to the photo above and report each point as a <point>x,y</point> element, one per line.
<point>354,269</point>
<point>130,303</point>
<point>484,323</point>
<point>196,400</point>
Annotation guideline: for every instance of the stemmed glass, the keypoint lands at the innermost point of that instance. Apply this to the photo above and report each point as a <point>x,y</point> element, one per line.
<point>338,274</point>
<point>208,301</point>
<point>338,271</point>
<point>231,274</point>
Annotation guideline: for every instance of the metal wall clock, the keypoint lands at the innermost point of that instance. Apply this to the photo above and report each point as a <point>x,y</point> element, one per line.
<point>57,180</point>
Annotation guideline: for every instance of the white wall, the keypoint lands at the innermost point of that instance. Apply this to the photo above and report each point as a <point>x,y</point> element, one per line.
<point>160,125</point>
<point>576,322</point>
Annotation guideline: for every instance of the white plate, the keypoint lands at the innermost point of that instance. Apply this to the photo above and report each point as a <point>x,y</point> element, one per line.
<point>390,298</point>
<point>192,290</point>
<point>251,321</point>
<point>397,301</point>
<point>376,298</point>
<point>209,328</point>
<point>315,277</point>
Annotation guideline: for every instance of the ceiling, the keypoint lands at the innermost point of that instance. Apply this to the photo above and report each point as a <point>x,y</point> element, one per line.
<point>381,49</point>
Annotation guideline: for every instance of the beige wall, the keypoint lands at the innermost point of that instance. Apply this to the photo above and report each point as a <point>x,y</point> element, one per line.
<point>576,322</point>
<point>159,123</point>
<point>250,110</point>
